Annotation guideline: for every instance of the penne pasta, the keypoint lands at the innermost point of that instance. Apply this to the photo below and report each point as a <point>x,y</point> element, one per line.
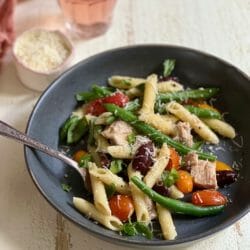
<point>89,118</point>
<point>99,193</point>
<point>134,92</point>
<point>120,151</point>
<point>157,121</point>
<point>102,143</point>
<point>159,166</point>
<point>175,193</point>
<point>78,112</point>
<point>150,93</point>
<point>95,156</point>
<point>85,207</point>
<point>199,127</point>
<point>169,86</point>
<point>107,177</point>
<point>221,127</point>
<point>139,198</point>
<point>162,87</point>
<point>166,222</point>
<point>125,82</point>
<point>169,117</point>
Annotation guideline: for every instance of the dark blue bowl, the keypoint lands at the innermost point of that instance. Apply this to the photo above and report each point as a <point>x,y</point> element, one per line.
<point>193,68</point>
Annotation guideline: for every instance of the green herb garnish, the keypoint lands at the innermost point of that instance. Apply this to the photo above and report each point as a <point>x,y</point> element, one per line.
<point>116,166</point>
<point>141,86</point>
<point>133,106</point>
<point>126,83</point>
<point>170,177</point>
<point>110,120</point>
<point>66,187</point>
<point>65,127</point>
<point>129,229</point>
<point>197,145</point>
<point>168,67</point>
<point>143,229</point>
<point>91,139</point>
<point>135,228</point>
<point>131,139</point>
<point>85,159</point>
<point>76,130</point>
<point>95,93</point>
<point>110,190</point>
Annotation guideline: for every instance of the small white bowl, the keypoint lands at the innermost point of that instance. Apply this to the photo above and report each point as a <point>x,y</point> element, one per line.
<point>38,80</point>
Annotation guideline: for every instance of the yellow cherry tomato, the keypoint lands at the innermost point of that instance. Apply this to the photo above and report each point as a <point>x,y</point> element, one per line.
<point>206,106</point>
<point>78,155</point>
<point>184,182</point>
<point>221,166</point>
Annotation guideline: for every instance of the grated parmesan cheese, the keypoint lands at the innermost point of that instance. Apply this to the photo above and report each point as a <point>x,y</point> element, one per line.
<point>41,50</point>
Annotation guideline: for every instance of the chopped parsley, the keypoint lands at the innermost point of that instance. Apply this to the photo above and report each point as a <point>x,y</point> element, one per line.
<point>83,163</point>
<point>66,187</point>
<point>131,139</point>
<point>116,166</point>
<point>126,83</point>
<point>198,145</point>
<point>170,177</point>
<point>133,106</point>
<point>168,67</point>
<point>135,228</point>
<point>110,120</point>
<point>110,190</point>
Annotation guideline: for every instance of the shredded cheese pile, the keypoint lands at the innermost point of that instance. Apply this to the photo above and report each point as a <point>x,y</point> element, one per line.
<point>41,50</point>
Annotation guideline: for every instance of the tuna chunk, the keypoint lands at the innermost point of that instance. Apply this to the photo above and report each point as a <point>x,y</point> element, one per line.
<point>191,159</point>
<point>118,132</point>
<point>184,133</point>
<point>203,172</point>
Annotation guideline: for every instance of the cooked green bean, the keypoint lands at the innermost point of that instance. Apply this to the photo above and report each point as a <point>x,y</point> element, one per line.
<point>133,105</point>
<point>97,92</point>
<point>202,112</point>
<point>153,133</point>
<point>65,127</point>
<point>76,130</point>
<point>197,145</point>
<point>181,96</point>
<point>176,206</point>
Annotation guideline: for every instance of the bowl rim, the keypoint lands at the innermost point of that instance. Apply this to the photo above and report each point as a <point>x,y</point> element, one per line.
<point>119,240</point>
<point>60,67</point>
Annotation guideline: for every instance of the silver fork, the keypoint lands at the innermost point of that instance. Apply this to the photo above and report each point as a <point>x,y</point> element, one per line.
<point>10,132</point>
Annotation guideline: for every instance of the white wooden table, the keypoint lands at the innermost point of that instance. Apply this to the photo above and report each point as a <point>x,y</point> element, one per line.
<point>220,27</point>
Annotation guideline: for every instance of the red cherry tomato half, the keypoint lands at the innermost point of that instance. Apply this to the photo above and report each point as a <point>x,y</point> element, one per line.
<point>208,198</point>
<point>121,206</point>
<point>96,107</point>
<point>117,98</point>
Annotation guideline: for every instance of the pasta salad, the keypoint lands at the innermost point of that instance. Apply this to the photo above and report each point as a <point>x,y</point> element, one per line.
<point>143,159</point>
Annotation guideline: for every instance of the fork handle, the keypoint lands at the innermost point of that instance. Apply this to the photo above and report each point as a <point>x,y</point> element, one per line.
<point>10,132</point>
